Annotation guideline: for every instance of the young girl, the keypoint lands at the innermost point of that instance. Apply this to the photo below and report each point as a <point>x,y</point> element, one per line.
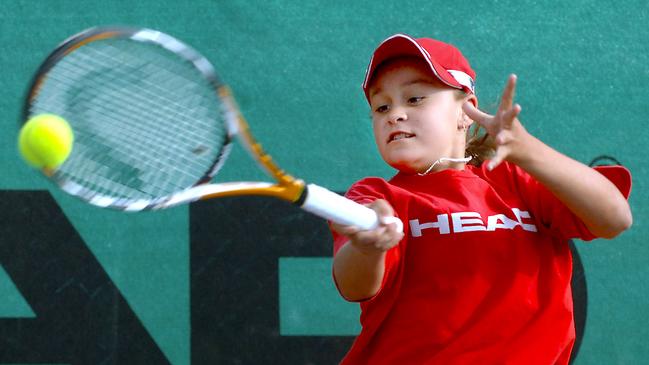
<point>481,273</point>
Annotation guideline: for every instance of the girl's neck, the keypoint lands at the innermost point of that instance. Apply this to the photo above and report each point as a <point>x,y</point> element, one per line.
<point>454,163</point>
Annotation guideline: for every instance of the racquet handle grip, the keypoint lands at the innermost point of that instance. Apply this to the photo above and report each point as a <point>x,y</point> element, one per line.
<point>336,208</point>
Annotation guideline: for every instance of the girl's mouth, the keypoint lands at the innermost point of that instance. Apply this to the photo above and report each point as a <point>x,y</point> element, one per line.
<point>399,135</point>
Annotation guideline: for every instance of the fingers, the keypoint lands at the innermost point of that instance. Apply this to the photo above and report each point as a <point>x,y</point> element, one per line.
<point>508,94</point>
<point>507,110</point>
<point>474,113</point>
<point>344,230</point>
<point>498,158</point>
<point>508,116</point>
<point>382,238</point>
<point>503,129</point>
<point>386,216</point>
<point>379,239</point>
<point>501,139</point>
<point>382,208</point>
<point>505,137</point>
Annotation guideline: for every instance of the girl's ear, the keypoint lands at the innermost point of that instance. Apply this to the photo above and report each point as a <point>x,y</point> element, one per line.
<point>465,121</point>
<point>473,99</point>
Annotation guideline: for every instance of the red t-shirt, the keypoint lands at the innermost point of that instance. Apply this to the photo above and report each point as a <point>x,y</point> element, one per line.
<point>482,275</point>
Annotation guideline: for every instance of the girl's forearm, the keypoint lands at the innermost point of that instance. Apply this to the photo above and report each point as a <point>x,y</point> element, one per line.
<point>358,274</point>
<point>587,193</point>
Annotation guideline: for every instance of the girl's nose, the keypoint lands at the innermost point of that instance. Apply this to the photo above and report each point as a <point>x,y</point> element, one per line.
<point>397,115</point>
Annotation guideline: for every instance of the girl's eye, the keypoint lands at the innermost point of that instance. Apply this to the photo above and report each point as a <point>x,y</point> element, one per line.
<point>382,109</point>
<point>415,99</point>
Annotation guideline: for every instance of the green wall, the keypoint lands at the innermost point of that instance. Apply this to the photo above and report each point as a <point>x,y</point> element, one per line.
<point>296,69</point>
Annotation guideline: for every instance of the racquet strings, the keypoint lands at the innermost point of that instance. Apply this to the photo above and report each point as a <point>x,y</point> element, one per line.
<point>147,122</point>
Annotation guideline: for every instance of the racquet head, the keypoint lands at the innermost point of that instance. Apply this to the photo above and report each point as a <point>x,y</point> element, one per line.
<point>153,123</point>
<point>151,117</point>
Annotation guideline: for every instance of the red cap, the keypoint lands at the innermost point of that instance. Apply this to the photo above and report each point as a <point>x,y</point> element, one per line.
<point>445,61</point>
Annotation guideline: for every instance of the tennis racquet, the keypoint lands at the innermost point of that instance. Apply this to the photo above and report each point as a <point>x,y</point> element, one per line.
<point>154,124</point>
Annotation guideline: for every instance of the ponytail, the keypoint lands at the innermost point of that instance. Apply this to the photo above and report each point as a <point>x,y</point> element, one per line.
<point>479,145</point>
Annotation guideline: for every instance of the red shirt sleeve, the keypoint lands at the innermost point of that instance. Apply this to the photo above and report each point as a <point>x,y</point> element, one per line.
<point>552,213</point>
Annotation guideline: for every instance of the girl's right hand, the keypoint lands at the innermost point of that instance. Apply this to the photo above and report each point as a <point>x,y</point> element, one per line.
<point>377,240</point>
<point>507,131</point>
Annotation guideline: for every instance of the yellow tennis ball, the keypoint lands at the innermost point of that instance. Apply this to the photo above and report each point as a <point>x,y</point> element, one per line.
<point>45,141</point>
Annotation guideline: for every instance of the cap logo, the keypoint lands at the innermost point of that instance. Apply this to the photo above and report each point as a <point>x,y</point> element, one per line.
<point>463,79</point>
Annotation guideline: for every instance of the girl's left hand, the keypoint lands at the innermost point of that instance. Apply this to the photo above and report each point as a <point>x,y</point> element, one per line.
<point>504,127</point>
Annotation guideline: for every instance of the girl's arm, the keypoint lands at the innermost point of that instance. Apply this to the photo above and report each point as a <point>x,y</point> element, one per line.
<point>359,265</point>
<point>587,193</point>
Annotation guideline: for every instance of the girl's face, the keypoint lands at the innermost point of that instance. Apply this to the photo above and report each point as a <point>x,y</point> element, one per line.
<point>416,119</point>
